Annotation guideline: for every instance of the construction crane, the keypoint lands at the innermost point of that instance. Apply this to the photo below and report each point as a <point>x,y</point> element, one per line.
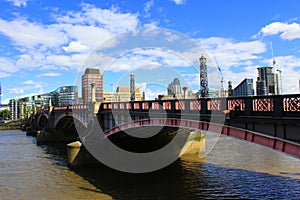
<point>222,92</point>
<point>278,70</point>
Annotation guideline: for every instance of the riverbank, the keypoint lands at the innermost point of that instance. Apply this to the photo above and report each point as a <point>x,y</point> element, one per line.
<point>10,127</point>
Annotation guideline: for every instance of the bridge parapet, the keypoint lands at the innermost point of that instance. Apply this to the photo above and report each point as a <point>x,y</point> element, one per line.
<point>277,115</point>
<point>277,105</point>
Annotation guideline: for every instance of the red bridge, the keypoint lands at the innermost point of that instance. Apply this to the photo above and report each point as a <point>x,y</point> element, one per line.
<point>272,121</point>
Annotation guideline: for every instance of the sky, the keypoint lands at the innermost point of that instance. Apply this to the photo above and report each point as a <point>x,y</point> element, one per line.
<point>48,44</point>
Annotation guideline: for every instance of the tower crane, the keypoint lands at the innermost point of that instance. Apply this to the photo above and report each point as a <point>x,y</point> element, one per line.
<point>222,92</point>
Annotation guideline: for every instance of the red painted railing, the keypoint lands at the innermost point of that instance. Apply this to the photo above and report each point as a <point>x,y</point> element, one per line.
<point>262,104</point>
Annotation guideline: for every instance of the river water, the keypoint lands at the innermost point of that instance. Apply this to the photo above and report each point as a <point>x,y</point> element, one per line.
<point>234,169</point>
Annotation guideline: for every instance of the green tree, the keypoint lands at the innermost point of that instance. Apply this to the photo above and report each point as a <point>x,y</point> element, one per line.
<point>5,114</point>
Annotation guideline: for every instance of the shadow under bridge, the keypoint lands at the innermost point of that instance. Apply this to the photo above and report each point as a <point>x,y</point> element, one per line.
<point>144,139</point>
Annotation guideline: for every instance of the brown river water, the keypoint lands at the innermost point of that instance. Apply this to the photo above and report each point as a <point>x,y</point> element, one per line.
<point>234,169</point>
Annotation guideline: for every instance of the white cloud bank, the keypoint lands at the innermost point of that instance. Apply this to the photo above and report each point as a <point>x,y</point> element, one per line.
<point>75,47</point>
<point>285,30</point>
<point>19,3</point>
<point>179,2</point>
<point>73,32</point>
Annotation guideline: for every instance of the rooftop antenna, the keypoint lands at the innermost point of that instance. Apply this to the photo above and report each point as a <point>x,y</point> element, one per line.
<point>278,70</point>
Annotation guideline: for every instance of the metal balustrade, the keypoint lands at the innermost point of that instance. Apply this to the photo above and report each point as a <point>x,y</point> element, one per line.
<point>280,105</point>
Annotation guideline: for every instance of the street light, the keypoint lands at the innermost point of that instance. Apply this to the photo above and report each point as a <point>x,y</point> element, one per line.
<point>203,60</point>
<point>203,77</point>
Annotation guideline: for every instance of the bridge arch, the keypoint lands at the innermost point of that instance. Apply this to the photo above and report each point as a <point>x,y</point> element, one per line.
<point>70,115</point>
<point>42,120</point>
<point>251,136</point>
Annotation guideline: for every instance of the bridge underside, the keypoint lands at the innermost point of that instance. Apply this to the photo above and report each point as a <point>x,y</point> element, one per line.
<point>65,131</point>
<point>149,138</point>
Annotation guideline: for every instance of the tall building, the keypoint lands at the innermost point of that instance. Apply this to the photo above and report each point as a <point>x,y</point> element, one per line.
<point>23,107</point>
<point>245,88</point>
<point>64,96</point>
<point>92,78</point>
<point>123,94</point>
<point>267,81</point>
<point>230,90</point>
<point>174,88</point>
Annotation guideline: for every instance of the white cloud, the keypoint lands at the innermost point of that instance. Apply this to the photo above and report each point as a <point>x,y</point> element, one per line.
<point>29,34</point>
<point>49,74</point>
<point>111,20</point>
<point>19,3</point>
<point>43,45</point>
<point>4,74</point>
<point>179,2</point>
<point>148,5</point>
<point>29,82</point>
<point>90,35</point>
<point>150,91</point>
<point>29,86</point>
<point>75,47</point>
<point>148,59</point>
<point>29,61</point>
<point>7,65</point>
<point>41,91</point>
<point>230,53</point>
<point>285,30</point>
<point>15,91</point>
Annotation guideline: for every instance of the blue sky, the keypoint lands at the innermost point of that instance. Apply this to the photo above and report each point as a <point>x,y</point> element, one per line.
<point>47,44</point>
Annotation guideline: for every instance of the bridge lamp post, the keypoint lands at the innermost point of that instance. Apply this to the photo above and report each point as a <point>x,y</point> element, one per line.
<point>203,77</point>
<point>184,91</point>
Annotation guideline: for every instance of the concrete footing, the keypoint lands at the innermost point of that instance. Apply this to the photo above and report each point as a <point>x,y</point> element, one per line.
<point>44,137</point>
<point>30,131</point>
<point>78,156</point>
<point>194,147</point>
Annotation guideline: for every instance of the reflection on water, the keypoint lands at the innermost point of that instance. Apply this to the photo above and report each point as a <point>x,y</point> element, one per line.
<point>234,153</point>
<point>233,169</point>
<point>188,180</point>
<point>32,172</point>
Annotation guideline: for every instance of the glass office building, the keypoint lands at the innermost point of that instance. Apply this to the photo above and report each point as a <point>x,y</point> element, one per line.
<point>245,88</point>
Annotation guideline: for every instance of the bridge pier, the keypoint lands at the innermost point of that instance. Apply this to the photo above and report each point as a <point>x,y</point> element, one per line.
<point>30,131</point>
<point>78,156</point>
<point>194,148</point>
<point>56,136</point>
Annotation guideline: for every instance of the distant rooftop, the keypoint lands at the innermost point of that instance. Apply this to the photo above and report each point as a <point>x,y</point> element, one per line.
<point>92,71</point>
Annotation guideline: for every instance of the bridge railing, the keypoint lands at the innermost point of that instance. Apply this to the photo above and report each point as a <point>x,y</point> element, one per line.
<point>72,107</point>
<point>277,105</point>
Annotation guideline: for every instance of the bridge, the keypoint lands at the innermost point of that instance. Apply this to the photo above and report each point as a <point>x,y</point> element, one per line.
<point>272,121</point>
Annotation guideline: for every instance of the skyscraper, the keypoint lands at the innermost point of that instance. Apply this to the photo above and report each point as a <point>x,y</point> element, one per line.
<point>245,88</point>
<point>230,90</point>
<point>267,81</point>
<point>174,88</point>
<point>92,82</point>
<point>64,96</point>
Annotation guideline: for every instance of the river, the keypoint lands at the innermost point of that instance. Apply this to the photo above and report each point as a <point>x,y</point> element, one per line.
<point>234,169</point>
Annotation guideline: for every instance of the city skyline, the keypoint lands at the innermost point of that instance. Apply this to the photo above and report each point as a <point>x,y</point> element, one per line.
<point>44,44</point>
